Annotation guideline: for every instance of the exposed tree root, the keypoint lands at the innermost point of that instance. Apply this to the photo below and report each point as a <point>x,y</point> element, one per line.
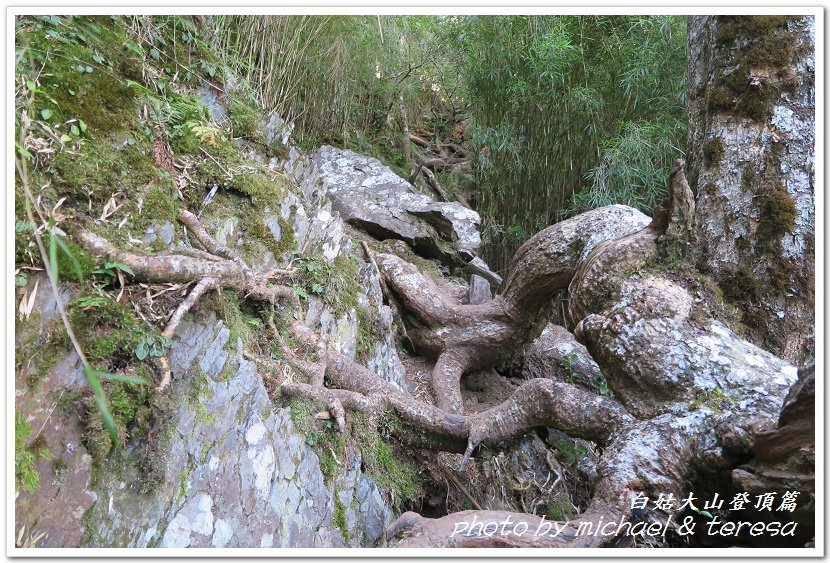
<point>463,338</point>
<point>216,267</point>
<point>538,402</point>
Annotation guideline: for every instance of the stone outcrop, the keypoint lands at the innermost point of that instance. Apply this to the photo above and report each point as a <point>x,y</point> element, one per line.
<point>372,197</point>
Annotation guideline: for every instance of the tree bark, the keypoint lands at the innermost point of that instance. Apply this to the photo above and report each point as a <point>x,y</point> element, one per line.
<point>751,154</point>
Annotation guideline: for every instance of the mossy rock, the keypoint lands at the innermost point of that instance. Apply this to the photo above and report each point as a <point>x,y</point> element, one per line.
<point>99,170</point>
<point>79,79</point>
<point>713,152</point>
<point>107,331</point>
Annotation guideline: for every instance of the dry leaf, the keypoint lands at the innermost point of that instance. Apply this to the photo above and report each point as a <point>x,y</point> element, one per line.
<point>27,302</point>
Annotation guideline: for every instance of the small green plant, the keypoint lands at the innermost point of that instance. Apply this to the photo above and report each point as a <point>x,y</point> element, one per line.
<point>314,437</point>
<point>568,363</point>
<point>87,302</point>
<point>153,346</point>
<point>713,399</point>
<point>599,379</point>
<point>114,270</point>
<point>299,291</point>
<point>569,451</point>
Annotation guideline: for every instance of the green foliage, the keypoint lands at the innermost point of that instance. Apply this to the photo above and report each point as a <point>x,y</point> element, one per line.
<point>557,99</point>
<point>569,451</point>
<point>111,270</point>
<point>336,283</point>
<point>121,411</point>
<point>713,399</point>
<point>333,75</point>
<point>633,168</point>
<point>25,476</point>
<point>386,467</point>
<point>73,261</point>
<point>568,363</point>
<point>153,346</point>
<point>107,330</point>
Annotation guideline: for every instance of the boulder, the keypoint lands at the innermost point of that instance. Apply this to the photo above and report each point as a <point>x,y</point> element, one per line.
<point>479,290</point>
<point>370,196</point>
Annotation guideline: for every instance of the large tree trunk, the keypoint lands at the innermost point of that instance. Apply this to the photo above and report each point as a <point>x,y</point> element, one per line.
<point>751,155</point>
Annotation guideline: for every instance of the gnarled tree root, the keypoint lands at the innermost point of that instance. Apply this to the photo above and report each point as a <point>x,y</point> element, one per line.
<point>464,338</point>
<point>216,267</point>
<point>537,402</point>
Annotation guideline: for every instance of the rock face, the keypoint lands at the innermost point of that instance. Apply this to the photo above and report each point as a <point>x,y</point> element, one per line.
<point>370,196</point>
<point>237,471</point>
<point>239,474</point>
<point>479,290</point>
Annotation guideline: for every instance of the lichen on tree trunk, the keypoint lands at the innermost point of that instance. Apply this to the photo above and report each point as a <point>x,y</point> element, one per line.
<point>751,151</point>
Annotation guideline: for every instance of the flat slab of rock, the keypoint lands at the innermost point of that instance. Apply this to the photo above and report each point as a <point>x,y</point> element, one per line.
<point>479,291</point>
<point>371,197</point>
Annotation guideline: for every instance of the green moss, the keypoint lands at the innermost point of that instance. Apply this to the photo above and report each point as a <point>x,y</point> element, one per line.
<point>133,407</point>
<point>240,322</point>
<point>368,332</point>
<point>39,353</point>
<point>560,509</point>
<point>747,42</point>
<point>670,254</point>
<point>714,399</point>
<point>26,476</point>
<point>338,519</point>
<point>386,467</point>
<point>336,283</point>
<point>99,170</point>
<point>262,190</point>
<point>302,413</point>
<point>158,206</point>
<point>244,119</point>
<point>181,490</point>
<point>713,152</point>
<point>86,262</point>
<point>68,401</point>
<point>73,85</point>
<point>256,229</point>
<point>777,215</point>
<point>741,286</point>
<point>107,330</point>
<point>59,467</point>
<point>328,466</point>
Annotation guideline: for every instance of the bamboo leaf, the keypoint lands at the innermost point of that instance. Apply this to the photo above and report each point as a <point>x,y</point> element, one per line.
<point>75,264</point>
<point>53,257</point>
<point>101,403</point>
